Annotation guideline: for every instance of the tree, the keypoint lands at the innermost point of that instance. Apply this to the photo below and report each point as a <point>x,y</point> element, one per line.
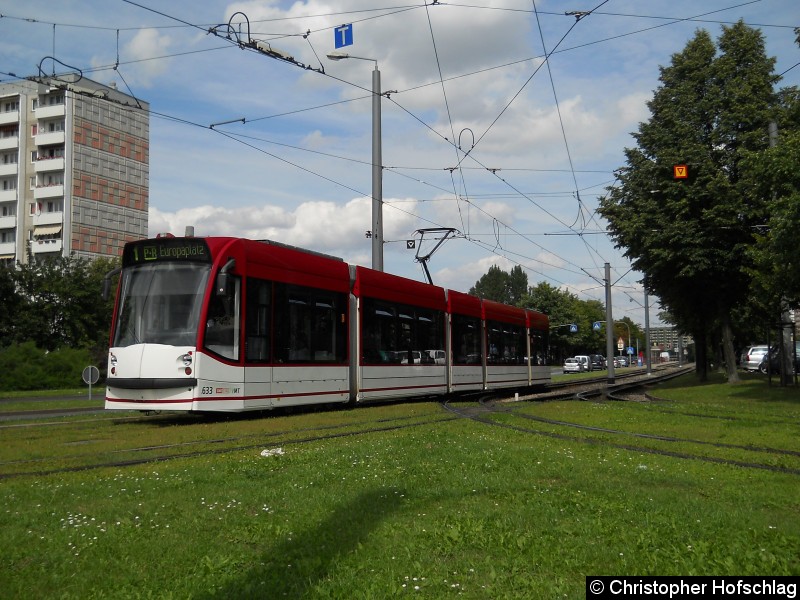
<point>564,309</point>
<point>773,174</point>
<point>57,303</point>
<point>691,236</point>
<point>500,286</point>
<point>517,285</point>
<point>10,306</point>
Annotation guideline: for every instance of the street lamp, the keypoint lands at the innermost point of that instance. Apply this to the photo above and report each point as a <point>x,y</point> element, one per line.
<point>377,161</point>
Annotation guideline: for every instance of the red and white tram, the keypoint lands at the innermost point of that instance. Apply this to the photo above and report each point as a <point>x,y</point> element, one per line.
<point>229,324</point>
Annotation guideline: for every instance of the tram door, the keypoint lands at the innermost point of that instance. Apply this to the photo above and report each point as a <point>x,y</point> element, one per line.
<point>258,344</point>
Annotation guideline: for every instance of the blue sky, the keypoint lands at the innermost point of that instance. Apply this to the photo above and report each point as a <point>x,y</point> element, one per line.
<point>542,140</point>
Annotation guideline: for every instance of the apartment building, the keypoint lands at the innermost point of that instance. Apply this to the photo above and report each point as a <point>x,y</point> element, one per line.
<point>667,339</point>
<point>74,169</point>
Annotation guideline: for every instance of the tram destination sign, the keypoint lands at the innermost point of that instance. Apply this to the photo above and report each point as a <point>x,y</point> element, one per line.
<point>166,249</point>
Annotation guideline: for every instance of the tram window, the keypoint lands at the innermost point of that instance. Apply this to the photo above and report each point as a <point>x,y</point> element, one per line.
<point>310,325</point>
<point>399,334</point>
<point>258,320</point>
<point>160,304</point>
<point>538,347</point>
<point>466,340</point>
<point>222,323</point>
<point>506,343</point>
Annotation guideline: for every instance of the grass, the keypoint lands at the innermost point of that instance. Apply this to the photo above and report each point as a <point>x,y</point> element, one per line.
<point>451,508</point>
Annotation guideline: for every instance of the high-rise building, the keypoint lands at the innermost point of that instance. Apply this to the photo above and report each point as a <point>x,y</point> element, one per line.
<point>74,169</point>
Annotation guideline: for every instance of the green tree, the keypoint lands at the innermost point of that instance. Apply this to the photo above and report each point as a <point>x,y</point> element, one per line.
<point>691,237</point>
<point>497,285</point>
<point>564,309</point>
<point>10,305</point>
<point>774,174</point>
<point>517,285</point>
<point>58,304</point>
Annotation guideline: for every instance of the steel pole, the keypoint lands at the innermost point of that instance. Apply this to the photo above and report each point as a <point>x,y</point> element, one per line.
<point>377,173</point>
<point>609,326</point>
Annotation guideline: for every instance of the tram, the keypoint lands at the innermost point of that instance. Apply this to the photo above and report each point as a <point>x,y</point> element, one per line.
<point>228,324</point>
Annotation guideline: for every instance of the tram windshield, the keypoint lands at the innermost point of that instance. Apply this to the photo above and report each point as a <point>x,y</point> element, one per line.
<point>160,304</point>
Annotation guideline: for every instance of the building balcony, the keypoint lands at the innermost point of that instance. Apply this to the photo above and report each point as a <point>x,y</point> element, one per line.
<point>11,116</point>
<point>9,169</point>
<point>8,195</point>
<point>8,222</point>
<point>55,163</point>
<point>50,111</point>
<point>49,138</point>
<point>49,191</point>
<point>9,143</point>
<point>8,250</point>
<point>43,246</point>
<point>48,218</point>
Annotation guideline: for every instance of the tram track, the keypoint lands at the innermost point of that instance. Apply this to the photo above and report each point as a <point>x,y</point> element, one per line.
<point>640,449</point>
<point>486,408</point>
<point>489,407</point>
<point>264,441</point>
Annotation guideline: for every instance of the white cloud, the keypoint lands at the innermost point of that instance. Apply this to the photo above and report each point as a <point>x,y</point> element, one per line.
<point>146,44</point>
<point>321,225</point>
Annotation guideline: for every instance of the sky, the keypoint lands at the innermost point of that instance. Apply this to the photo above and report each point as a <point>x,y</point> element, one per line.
<point>504,120</point>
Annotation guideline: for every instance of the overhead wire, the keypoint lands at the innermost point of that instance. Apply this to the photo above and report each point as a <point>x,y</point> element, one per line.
<point>289,162</point>
<point>188,24</point>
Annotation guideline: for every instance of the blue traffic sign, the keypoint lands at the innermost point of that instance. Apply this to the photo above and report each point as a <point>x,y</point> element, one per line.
<point>597,325</point>
<point>573,328</point>
<point>631,351</point>
<point>343,36</point>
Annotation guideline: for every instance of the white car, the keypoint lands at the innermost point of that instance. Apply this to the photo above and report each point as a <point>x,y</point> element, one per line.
<point>584,361</point>
<point>438,356</point>
<point>751,358</point>
<point>572,365</point>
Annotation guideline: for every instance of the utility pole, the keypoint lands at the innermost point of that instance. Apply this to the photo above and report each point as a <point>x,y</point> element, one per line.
<point>647,330</point>
<point>609,325</point>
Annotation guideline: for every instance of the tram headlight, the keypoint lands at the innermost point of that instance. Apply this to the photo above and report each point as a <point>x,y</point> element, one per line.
<point>112,359</point>
<point>187,359</point>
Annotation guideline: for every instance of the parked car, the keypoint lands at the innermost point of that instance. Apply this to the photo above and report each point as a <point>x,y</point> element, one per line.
<point>572,365</point>
<point>438,356</point>
<point>585,361</point>
<point>598,362</point>
<point>772,358</point>
<point>621,361</point>
<point>751,358</point>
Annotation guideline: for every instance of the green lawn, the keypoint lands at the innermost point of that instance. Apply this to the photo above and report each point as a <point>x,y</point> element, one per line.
<point>441,507</point>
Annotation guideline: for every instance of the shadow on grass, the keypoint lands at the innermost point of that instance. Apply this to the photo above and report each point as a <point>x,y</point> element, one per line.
<point>751,388</point>
<point>295,565</point>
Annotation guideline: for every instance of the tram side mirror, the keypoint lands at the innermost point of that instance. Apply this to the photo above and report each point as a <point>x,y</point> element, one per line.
<point>224,278</point>
<point>107,282</point>
<point>223,282</point>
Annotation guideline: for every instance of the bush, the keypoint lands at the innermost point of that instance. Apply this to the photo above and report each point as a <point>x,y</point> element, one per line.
<point>26,367</point>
